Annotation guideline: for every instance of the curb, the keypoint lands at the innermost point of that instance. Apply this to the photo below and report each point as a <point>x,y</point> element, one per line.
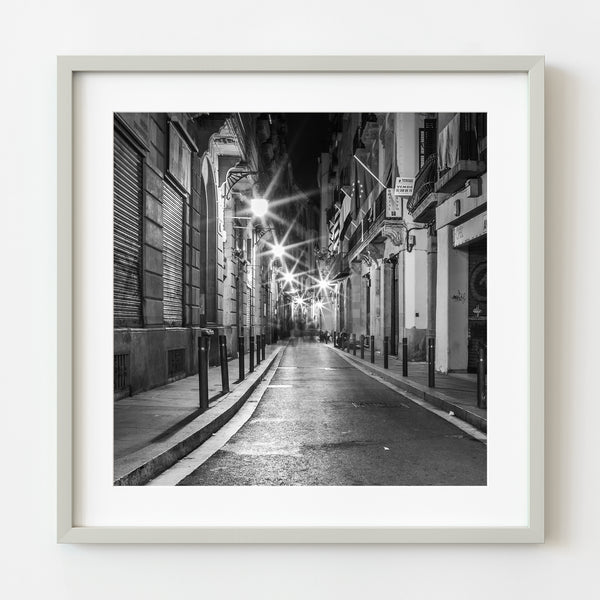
<point>139,469</point>
<point>436,399</point>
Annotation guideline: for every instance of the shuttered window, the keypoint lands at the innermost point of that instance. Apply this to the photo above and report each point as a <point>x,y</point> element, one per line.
<point>127,226</point>
<point>172,255</point>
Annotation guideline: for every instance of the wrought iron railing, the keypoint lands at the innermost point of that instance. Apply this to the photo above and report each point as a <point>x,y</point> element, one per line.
<point>369,221</point>
<point>424,183</point>
<point>356,237</point>
<point>380,204</point>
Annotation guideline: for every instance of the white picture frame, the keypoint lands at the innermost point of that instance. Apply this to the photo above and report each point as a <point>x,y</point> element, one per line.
<point>68,531</point>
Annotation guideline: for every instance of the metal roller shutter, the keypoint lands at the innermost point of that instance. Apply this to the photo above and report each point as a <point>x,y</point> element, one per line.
<point>172,255</point>
<point>127,224</point>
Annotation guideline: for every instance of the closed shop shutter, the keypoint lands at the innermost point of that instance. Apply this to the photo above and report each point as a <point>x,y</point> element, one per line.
<point>127,224</point>
<point>172,255</point>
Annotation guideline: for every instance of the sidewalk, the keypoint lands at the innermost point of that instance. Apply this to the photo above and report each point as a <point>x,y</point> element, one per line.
<point>455,393</point>
<point>154,429</point>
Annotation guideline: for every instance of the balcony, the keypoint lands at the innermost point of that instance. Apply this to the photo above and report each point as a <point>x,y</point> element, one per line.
<point>423,201</point>
<point>461,154</point>
<point>339,267</point>
<point>373,229</point>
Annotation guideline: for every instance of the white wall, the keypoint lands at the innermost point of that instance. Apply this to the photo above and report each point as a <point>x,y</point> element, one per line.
<point>33,565</point>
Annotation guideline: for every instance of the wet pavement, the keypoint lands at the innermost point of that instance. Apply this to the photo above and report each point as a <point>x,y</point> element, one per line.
<point>321,421</point>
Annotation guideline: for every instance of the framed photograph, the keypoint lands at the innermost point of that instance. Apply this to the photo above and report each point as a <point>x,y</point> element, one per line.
<point>276,319</point>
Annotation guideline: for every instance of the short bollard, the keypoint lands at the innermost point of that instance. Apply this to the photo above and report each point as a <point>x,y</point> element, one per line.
<point>386,351</point>
<point>354,344</point>
<point>362,347</point>
<point>263,347</point>
<point>404,357</point>
<point>203,345</point>
<point>251,355</point>
<point>431,360</point>
<point>224,363</point>
<point>372,348</point>
<point>481,379</point>
<point>333,337</point>
<point>241,370</point>
<point>258,341</point>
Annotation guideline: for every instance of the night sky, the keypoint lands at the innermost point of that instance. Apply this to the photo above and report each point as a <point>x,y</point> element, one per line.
<point>308,136</point>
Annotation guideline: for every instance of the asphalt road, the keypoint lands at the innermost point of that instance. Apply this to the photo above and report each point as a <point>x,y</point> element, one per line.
<point>323,422</point>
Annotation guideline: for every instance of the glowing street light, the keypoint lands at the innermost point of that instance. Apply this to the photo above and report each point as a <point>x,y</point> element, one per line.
<point>259,207</point>
<point>288,278</point>
<point>323,284</point>
<point>278,250</point>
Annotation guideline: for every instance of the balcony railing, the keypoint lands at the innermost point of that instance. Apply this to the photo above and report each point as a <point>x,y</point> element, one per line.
<point>380,204</point>
<point>369,221</point>
<point>461,156</point>
<point>424,183</point>
<point>356,237</point>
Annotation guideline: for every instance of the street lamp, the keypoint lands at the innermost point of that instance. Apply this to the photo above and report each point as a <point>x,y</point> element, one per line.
<point>236,173</point>
<point>278,250</point>
<point>289,278</point>
<point>323,284</point>
<point>259,207</point>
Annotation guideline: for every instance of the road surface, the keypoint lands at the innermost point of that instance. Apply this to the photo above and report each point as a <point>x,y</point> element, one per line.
<point>321,421</point>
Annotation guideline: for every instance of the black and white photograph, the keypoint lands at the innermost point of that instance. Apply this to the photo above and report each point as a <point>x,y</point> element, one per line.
<point>300,299</point>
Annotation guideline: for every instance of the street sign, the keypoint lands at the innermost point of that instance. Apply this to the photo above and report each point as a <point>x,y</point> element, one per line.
<point>393,204</point>
<point>404,186</point>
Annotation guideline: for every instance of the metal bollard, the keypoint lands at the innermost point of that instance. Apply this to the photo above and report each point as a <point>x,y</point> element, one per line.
<point>224,363</point>
<point>431,360</point>
<point>203,346</point>
<point>481,379</point>
<point>258,338</point>
<point>362,347</point>
<point>241,373</point>
<point>386,350</point>
<point>354,344</point>
<point>334,339</point>
<point>263,348</point>
<point>404,357</point>
<point>372,348</point>
<point>251,355</point>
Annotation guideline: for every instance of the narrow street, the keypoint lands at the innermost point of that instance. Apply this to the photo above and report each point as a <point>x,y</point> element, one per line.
<point>321,421</point>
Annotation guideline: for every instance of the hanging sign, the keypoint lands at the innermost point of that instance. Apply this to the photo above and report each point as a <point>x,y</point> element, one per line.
<point>393,204</point>
<point>404,186</point>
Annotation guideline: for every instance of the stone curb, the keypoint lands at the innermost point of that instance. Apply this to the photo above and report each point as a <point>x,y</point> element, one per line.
<point>149,462</point>
<point>437,399</point>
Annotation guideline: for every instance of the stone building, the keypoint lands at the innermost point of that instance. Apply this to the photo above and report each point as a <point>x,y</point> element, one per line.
<point>189,254</point>
<point>403,225</point>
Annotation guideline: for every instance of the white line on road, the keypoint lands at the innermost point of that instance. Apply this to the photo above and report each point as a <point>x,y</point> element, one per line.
<point>188,464</point>
<point>468,429</point>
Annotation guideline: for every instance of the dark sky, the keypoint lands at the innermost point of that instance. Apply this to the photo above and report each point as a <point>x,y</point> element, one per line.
<point>308,136</point>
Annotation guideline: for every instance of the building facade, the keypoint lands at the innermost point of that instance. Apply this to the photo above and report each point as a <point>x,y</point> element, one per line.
<point>403,232</point>
<point>190,257</point>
